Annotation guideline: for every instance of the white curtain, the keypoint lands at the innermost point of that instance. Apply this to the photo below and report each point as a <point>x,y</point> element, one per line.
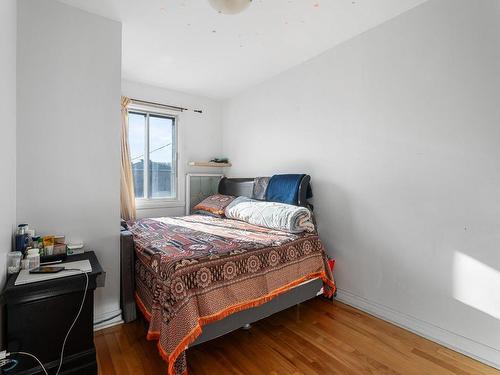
<point>127,195</point>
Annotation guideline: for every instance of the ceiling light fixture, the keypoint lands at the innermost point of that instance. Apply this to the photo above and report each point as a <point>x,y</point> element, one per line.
<point>229,6</point>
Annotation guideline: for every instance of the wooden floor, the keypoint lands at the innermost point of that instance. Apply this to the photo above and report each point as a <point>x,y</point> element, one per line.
<point>324,338</point>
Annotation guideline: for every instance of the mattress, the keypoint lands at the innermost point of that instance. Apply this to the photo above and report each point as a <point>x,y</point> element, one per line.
<point>194,270</point>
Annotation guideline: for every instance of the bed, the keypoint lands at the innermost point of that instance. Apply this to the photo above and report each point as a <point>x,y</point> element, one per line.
<point>198,277</point>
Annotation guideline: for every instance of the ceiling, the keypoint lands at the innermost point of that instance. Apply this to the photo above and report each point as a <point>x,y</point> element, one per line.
<point>185,45</point>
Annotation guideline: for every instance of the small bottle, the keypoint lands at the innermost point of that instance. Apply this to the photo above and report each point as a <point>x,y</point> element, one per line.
<point>38,244</point>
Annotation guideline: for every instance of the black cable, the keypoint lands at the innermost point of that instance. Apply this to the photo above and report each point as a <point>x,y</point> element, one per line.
<point>107,319</point>
<point>32,356</point>
<point>13,363</point>
<point>76,317</point>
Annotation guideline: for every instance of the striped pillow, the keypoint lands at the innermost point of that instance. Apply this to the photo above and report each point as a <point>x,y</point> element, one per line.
<point>214,204</point>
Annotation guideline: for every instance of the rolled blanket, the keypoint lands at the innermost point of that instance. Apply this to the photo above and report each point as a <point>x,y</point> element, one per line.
<point>274,215</point>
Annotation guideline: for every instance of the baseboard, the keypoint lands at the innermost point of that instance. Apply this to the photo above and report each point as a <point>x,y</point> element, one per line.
<point>108,319</point>
<point>461,344</point>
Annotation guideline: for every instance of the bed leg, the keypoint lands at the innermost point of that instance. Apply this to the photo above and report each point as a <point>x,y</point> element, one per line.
<point>246,327</point>
<point>297,310</point>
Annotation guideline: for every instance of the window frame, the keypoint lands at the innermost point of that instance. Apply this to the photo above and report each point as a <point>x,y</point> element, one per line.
<point>151,202</point>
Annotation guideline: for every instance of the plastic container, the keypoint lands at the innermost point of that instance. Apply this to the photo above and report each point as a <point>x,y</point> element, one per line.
<point>14,261</point>
<point>25,264</point>
<point>34,258</point>
<point>48,250</point>
<point>48,245</point>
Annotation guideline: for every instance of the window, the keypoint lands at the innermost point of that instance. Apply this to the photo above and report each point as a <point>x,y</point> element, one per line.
<point>153,153</point>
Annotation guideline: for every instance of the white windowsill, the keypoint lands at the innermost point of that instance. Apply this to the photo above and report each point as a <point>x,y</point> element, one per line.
<point>145,204</point>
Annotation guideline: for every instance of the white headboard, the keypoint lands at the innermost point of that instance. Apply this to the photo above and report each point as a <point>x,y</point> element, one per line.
<point>199,186</point>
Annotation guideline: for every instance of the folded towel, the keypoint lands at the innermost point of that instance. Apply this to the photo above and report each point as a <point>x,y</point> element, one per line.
<point>273,215</point>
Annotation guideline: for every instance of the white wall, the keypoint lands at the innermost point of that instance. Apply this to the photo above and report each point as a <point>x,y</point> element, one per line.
<point>400,131</point>
<point>200,136</point>
<point>8,130</point>
<point>68,133</point>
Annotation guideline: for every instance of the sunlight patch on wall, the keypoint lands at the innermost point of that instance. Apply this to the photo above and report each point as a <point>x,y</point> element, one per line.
<point>476,284</point>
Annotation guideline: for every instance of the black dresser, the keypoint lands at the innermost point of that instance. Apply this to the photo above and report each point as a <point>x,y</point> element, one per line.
<point>38,316</point>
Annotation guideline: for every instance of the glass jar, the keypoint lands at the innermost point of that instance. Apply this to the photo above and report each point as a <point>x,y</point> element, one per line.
<point>14,261</point>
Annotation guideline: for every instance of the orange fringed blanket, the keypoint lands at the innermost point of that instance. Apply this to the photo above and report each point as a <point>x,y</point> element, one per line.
<point>195,270</point>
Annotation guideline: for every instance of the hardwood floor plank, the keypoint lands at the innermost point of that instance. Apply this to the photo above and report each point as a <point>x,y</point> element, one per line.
<point>104,361</point>
<point>364,358</point>
<point>319,338</point>
<point>118,359</point>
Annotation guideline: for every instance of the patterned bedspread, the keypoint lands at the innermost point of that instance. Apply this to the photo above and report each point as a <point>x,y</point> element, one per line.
<point>194,270</point>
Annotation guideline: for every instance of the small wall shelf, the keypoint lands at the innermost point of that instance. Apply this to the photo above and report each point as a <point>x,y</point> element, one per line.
<point>208,164</point>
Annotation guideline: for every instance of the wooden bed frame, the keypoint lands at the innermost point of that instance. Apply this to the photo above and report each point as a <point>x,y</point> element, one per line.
<point>299,294</point>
